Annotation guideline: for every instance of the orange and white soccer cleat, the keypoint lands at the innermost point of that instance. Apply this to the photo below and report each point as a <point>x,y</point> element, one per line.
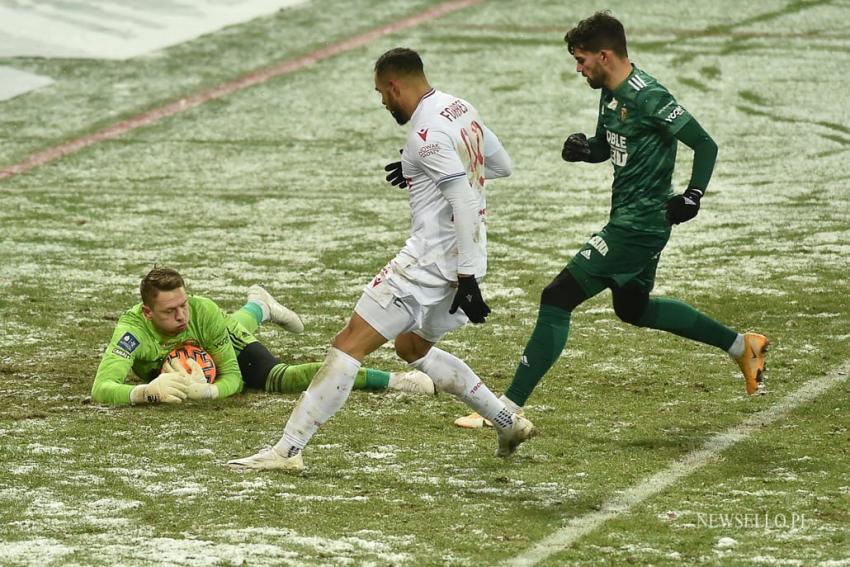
<point>752,362</point>
<point>473,421</point>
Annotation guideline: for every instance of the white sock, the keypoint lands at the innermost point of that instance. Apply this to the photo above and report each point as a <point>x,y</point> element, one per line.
<point>737,348</point>
<point>326,395</point>
<point>452,375</point>
<point>509,403</point>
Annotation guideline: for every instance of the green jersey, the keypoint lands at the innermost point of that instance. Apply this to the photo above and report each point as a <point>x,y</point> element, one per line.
<point>137,345</point>
<point>638,121</point>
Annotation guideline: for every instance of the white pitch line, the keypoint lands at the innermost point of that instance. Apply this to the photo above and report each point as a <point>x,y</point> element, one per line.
<point>583,525</point>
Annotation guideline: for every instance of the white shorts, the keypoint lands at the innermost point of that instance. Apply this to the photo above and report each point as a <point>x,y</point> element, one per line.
<point>394,304</point>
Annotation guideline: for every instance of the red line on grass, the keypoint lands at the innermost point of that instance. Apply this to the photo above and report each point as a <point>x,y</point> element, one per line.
<point>224,89</point>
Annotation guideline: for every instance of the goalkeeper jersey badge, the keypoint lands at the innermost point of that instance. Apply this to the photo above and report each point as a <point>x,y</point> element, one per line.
<point>128,342</point>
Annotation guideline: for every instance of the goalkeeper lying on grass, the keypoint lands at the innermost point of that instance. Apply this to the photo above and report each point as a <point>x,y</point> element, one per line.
<point>167,318</point>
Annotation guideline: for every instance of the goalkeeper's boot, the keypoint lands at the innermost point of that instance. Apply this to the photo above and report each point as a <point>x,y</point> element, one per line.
<point>277,313</point>
<point>269,459</point>
<point>475,421</point>
<point>520,430</point>
<point>752,362</point>
<point>412,381</point>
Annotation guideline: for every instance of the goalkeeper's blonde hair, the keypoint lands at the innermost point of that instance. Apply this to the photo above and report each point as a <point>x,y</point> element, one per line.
<point>157,280</point>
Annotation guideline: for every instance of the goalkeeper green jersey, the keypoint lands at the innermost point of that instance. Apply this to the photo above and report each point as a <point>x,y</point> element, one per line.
<point>638,120</point>
<point>137,345</point>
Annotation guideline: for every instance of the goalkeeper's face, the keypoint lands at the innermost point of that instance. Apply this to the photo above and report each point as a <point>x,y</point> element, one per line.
<point>169,313</point>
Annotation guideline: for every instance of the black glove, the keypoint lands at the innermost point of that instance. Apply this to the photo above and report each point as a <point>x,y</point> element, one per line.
<point>395,177</point>
<point>576,148</point>
<point>684,207</point>
<point>468,298</point>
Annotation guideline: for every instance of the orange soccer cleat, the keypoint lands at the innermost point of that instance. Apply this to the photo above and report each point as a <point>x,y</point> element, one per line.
<point>752,362</point>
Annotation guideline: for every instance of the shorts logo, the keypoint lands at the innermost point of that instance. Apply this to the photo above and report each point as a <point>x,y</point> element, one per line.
<point>128,342</point>
<point>600,245</point>
<point>585,253</point>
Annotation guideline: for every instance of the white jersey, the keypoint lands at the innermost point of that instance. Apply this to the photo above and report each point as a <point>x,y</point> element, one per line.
<point>446,142</point>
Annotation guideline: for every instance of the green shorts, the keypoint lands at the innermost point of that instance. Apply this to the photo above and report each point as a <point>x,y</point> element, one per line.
<point>239,335</point>
<point>615,257</point>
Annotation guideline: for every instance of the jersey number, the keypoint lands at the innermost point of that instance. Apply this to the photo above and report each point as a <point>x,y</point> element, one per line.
<point>473,144</point>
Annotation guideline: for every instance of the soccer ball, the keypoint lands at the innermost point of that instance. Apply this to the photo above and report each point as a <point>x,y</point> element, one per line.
<point>183,353</point>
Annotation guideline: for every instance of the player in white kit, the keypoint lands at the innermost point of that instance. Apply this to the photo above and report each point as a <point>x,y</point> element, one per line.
<point>415,298</point>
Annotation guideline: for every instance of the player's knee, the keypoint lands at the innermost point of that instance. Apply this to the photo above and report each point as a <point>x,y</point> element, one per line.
<point>255,362</point>
<point>410,347</point>
<point>630,307</point>
<point>564,292</point>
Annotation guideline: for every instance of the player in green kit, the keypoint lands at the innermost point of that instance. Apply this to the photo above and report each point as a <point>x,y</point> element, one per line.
<point>638,128</point>
<point>168,318</point>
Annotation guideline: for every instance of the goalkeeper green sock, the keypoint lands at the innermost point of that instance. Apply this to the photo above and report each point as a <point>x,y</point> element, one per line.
<point>543,349</point>
<point>250,316</point>
<point>681,319</point>
<point>288,379</point>
<point>372,379</point>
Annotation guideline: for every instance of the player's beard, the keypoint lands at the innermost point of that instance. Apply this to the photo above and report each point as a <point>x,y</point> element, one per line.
<point>399,116</point>
<point>595,82</point>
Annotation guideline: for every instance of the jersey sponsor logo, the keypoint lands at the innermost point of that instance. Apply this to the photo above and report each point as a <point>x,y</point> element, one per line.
<point>423,133</point>
<point>128,342</point>
<point>121,352</point>
<point>454,111</point>
<point>677,112</point>
<point>429,150</point>
<point>617,143</point>
<point>599,244</point>
<point>223,340</point>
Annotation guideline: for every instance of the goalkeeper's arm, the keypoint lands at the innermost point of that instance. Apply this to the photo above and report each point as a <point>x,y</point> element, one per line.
<point>109,386</point>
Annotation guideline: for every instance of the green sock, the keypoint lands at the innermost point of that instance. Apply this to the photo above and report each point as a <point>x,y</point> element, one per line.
<point>374,379</point>
<point>251,316</point>
<point>681,319</point>
<point>543,349</point>
<point>288,379</point>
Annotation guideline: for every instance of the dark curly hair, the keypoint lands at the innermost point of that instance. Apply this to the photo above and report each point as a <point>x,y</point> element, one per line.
<point>599,31</point>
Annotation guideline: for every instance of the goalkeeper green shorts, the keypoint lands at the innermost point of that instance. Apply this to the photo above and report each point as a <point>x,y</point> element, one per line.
<point>615,257</point>
<point>239,335</point>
